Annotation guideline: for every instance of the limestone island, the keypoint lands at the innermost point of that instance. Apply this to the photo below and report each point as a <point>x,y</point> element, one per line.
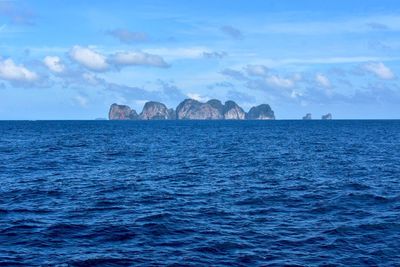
<point>191,109</point>
<point>307,117</point>
<point>326,117</point>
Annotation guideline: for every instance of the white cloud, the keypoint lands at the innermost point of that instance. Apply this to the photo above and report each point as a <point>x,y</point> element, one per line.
<point>197,97</point>
<point>256,70</point>
<point>380,70</point>
<point>89,58</point>
<point>277,81</point>
<point>17,73</point>
<point>322,80</point>
<point>138,58</point>
<point>54,64</point>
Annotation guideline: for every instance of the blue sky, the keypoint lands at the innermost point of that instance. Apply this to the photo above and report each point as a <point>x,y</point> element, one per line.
<point>72,59</point>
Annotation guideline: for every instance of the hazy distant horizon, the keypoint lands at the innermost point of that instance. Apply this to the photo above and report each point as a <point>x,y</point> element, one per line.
<point>72,60</point>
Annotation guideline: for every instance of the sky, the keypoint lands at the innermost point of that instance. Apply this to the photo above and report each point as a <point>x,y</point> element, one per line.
<point>73,59</point>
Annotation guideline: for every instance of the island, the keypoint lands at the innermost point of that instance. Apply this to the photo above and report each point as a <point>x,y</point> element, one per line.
<point>307,117</point>
<point>326,117</point>
<point>191,109</point>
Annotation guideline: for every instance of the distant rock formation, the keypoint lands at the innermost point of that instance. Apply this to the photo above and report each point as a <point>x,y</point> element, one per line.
<point>233,111</point>
<point>122,112</point>
<point>326,117</point>
<point>261,112</point>
<point>307,117</point>
<point>156,111</point>
<point>191,109</point>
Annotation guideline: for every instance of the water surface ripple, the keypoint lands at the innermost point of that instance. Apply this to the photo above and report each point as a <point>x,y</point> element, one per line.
<point>109,193</point>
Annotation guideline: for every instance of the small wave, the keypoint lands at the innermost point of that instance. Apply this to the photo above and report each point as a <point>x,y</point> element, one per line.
<point>102,262</point>
<point>251,201</point>
<point>156,229</point>
<point>34,211</point>
<point>64,230</point>
<point>19,229</point>
<point>155,217</point>
<point>370,197</point>
<point>114,233</point>
<point>222,247</point>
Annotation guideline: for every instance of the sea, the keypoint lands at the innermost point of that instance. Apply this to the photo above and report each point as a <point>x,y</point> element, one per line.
<point>200,193</point>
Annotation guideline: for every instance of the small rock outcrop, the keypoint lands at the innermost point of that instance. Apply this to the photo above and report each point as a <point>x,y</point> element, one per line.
<point>261,112</point>
<point>307,117</point>
<point>191,109</point>
<point>122,112</point>
<point>326,117</point>
<point>156,111</point>
<point>233,111</point>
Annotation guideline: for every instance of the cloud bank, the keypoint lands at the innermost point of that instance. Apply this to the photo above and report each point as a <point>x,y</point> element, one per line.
<point>10,71</point>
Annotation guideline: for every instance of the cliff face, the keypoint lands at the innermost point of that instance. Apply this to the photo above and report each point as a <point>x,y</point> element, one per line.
<point>122,112</point>
<point>307,116</point>
<point>156,111</point>
<point>261,112</point>
<point>211,110</point>
<point>191,109</point>
<point>326,117</point>
<point>233,111</point>
<point>215,103</point>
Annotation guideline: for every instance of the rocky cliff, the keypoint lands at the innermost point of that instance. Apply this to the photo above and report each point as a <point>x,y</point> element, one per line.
<point>233,111</point>
<point>215,103</point>
<point>191,109</point>
<point>156,111</point>
<point>122,112</point>
<point>261,112</point>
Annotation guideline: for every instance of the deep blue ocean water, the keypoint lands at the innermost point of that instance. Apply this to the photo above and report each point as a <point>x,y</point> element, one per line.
<point>201,193</point>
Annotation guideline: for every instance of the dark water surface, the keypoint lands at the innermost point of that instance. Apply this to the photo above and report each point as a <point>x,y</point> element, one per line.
<point>103,193</point>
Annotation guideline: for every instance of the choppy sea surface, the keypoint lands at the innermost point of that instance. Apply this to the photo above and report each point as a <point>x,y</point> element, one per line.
<point>201,193</point>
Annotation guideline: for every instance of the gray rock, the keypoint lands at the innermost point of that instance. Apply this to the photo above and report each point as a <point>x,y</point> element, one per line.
<point>191,109</point>
<point>233,111</point>
<point>326,117</point>
<point>307,117</point>
<point>215,103</point>
<point>261,112</point>
<point>156,111</point>
<point>121,112</point>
